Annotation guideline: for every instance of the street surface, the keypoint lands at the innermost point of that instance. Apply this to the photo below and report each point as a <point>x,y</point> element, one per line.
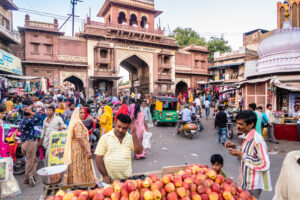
<point>169,149</point>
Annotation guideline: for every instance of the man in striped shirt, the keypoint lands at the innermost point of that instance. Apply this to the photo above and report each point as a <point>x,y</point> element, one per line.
<point>254,173</point>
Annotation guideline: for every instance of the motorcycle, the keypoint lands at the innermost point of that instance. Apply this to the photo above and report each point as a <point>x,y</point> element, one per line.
<point>231,124</point>
<point>188,130</point>
<point>199,123</point>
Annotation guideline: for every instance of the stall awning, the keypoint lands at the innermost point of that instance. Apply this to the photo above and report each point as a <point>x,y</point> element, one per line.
<point>20,77</point>
<point>228,90</point>
<point>226,65</point>
<point>105,77</point>
<point>291,86</point>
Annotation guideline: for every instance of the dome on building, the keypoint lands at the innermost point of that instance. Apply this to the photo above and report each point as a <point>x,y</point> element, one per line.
<point>280,52</point>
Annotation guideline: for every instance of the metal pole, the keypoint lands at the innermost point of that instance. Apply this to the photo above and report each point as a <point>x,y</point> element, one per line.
<point>73,2</point>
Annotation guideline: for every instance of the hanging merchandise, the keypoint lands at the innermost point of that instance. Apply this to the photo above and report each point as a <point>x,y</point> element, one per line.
<point>27,87</point>
<point>43,85</point>
<point>271,92</point>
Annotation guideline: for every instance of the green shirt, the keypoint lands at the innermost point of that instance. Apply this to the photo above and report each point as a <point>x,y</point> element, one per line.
<point>258,123</point>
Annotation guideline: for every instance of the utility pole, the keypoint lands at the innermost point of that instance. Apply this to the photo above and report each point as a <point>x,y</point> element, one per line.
<point>74,3</point>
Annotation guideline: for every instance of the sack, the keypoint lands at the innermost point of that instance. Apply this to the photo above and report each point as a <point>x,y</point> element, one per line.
<point>147,140</point>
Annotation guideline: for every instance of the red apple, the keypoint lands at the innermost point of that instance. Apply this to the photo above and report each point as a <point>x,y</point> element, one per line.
<point>134,195</point>
<point>130,186</point>
<point>154,178</point>
<point>215,187</point>
<point>167,178</point>
<point>201,189</point>
<point>204,197</point>
<point>115,196</point>
<point>193,188</point>
<point>172,196</point>
<point>99,196</point>
<point>181,192</point>
<point>157,195</point>
<point>108,191</point>
<point>170,187</point>
<point>213,196</point>
<point>177,181</point>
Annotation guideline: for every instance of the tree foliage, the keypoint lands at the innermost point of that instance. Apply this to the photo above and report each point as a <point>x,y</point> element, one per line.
<point>188,36</point>
<point>217,44</point>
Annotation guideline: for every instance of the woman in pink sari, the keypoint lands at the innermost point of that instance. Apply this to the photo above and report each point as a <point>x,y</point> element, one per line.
<point>140,127</point>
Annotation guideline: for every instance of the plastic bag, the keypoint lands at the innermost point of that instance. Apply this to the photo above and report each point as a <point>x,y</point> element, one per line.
<point>10,188</point>
<point>147,140</point>
<point>5,168</point>
<point>150,124</point>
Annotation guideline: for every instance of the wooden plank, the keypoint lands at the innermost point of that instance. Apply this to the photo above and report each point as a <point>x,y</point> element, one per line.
<point>172,169</point>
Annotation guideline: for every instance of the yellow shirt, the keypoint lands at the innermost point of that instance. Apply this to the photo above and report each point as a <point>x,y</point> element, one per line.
<point>116,155</point>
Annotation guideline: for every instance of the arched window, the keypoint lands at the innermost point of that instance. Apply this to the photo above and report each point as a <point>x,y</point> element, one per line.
<point>144,22</point>
<point>294,15</point>
<point>133,20</point>
<point>122,18</point>
<point>282,11</point>
<point>108,19</point>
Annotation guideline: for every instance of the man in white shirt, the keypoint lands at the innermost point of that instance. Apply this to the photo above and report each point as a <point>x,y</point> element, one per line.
<point>198,105</point>
<point>207,108</point>
<point>295,112</point>
<point>271,121</point>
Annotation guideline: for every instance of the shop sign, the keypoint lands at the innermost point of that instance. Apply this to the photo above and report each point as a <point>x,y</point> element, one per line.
<point>10,63</point>
<point>57,148</point>
<point>136,83</point>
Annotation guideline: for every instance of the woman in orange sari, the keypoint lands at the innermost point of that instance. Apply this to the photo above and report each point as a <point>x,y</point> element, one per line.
<point>78,156</point>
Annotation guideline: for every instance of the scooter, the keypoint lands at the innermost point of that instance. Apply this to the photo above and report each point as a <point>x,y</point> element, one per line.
<point>199,123</point>
<point>188,130</point>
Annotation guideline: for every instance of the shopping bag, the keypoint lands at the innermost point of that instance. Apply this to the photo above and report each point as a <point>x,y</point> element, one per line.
<point>147,140</point>
<point>150,124</point>
<point>5,168</point>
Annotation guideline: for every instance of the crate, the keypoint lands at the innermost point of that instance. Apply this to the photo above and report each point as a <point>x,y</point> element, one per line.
<point>163,171</point>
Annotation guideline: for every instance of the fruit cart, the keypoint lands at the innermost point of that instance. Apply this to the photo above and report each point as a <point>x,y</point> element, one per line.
<point>192,182</point>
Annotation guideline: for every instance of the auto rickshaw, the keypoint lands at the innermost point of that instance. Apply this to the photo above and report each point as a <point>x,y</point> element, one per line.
<point>164,110</point>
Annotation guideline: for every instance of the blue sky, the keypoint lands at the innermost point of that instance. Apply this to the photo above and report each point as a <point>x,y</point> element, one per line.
<point>209,18</point>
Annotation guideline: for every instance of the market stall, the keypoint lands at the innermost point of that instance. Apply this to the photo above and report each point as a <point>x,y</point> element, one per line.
<point>177,182</point>
<point>21,85</point>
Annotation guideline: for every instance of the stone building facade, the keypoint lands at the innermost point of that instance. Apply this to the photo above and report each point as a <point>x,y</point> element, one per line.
<point>47,52</point>
<point>294,13</point>
<point>127,39</point>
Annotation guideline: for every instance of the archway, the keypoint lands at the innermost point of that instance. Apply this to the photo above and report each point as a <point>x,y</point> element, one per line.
<point>181,87</point>
<point>77,82</point>
<point>138,71</point>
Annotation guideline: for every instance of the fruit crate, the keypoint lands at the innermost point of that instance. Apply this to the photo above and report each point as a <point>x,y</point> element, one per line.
<point>163,171</point>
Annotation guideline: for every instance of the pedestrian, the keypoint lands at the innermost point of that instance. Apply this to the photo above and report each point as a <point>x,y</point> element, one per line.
<point>68,113</point>
<point>298,126</point>
<point>221,125</point>
<point>270,124</point>
<point>106,121</point>
<point>29,145</point>
<point>264,119</point>
<point>207,108</point>
<point>123,110</point>
<point>140,127</point>
<point>255,163</point>
<point>51,123</point>
<point>217,163</point>
<point>3,146</point>
<point>252,107</point>
<point>146,110</point>
<point>9,104</point>
<point>131,108</point>
<point>88,120</point>
<point>198,105</point>
<point>113,152</point>
<point>287,186</point>
<point>77,155</point>
<point>180,98</point>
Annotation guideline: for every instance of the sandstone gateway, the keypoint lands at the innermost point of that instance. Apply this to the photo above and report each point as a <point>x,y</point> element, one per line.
<point>127,38</point>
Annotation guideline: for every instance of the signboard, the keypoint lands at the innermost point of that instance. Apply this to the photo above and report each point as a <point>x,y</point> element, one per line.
<point>57,147</point>
<point>10,63</point>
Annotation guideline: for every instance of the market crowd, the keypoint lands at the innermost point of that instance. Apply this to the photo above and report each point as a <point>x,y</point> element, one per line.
<point>122,122</point>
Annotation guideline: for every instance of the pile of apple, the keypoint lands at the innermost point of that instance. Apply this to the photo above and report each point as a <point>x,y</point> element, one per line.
<point>196,182</point>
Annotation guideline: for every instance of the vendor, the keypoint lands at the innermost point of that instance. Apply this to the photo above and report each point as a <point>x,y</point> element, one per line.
<point>296,111</point>
<point>113,152</point>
